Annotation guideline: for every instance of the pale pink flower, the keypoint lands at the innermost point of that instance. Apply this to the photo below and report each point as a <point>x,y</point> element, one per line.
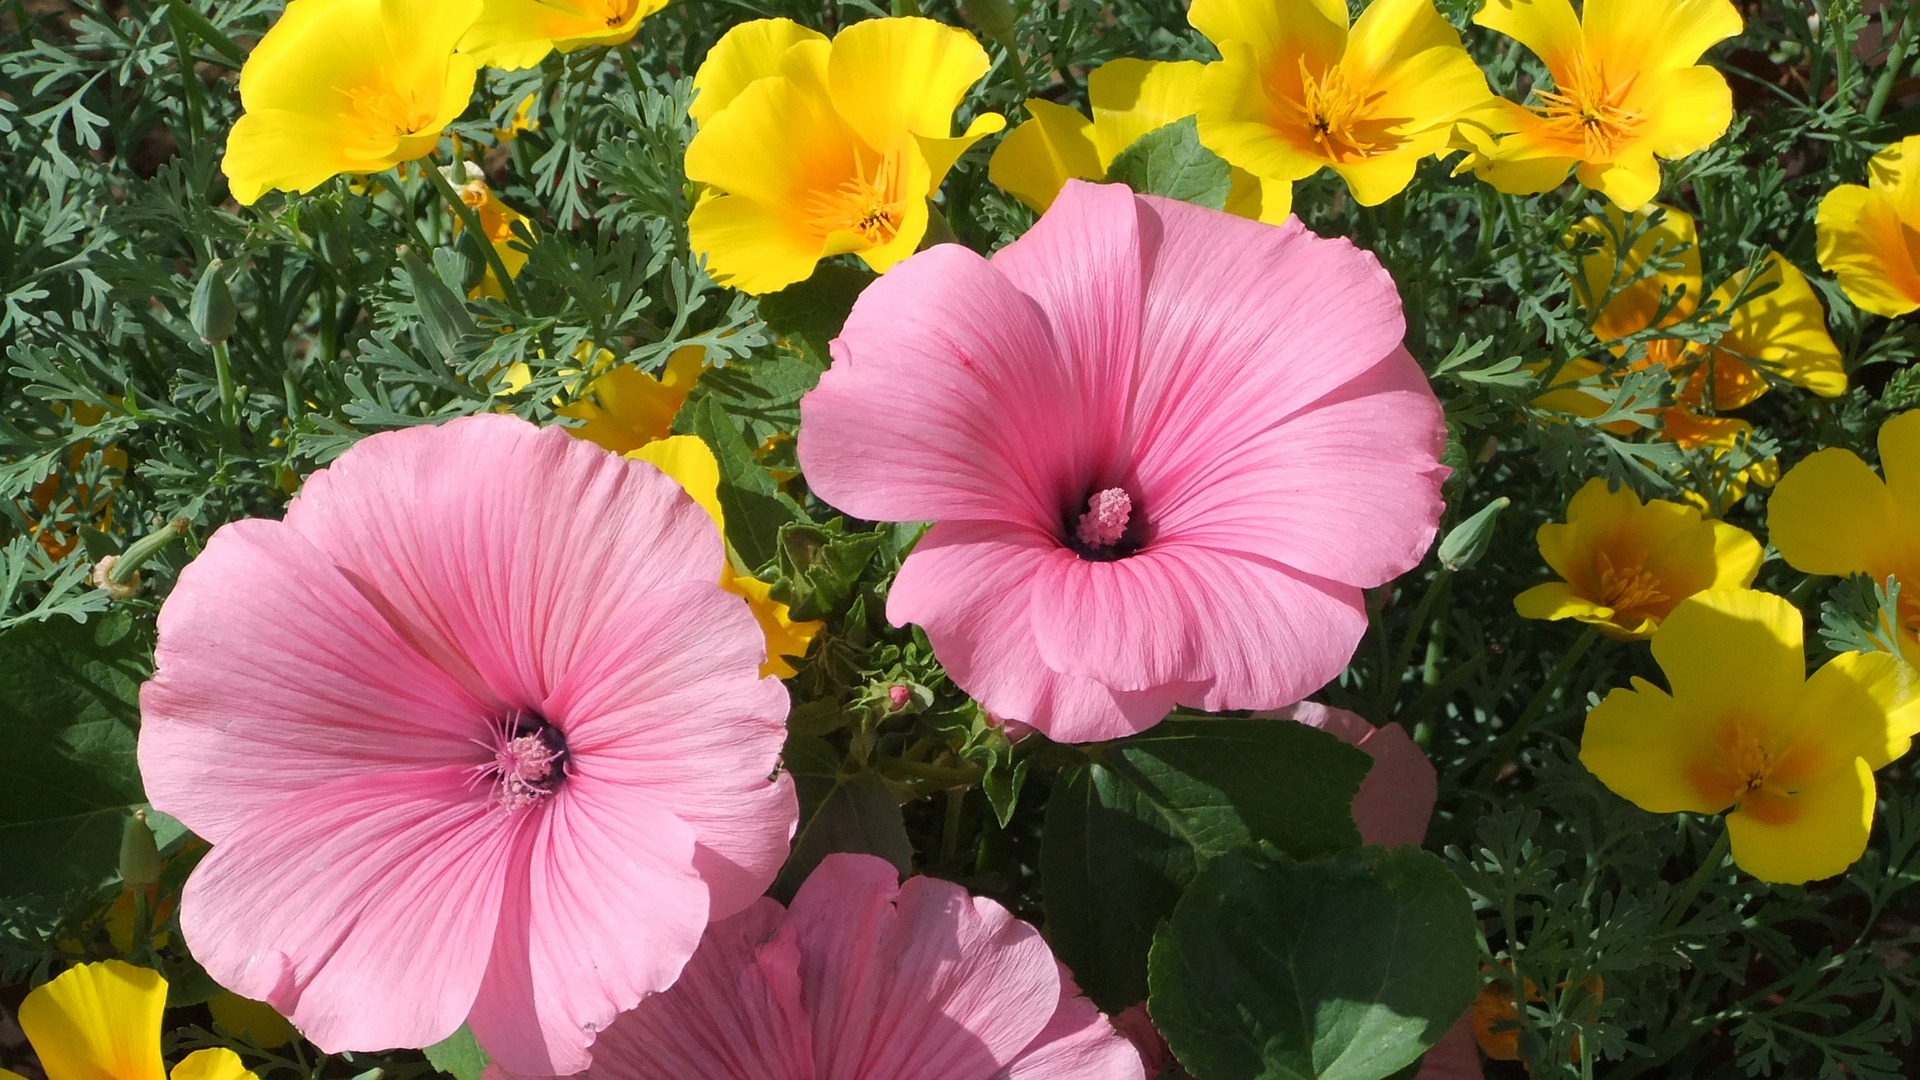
<point>864,978</point>
<point>1165,448</point>
<point>476,736</point>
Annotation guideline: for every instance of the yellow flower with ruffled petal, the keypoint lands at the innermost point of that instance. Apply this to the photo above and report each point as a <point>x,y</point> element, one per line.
<point>1869,236</point>
<point>1624,564</point>
<point>1297,90</point>
<point>1627,90</point>
<point>811,148</point>
<point>347,86</point>
<point>1131,98</point>
<point>102,1022</point>
<point>1743,730</point>
<point>513,34</point>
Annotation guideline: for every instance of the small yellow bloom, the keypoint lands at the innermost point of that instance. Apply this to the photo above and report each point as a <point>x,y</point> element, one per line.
<point>1131,98</point>
<point>1297,91</point>
<point>102,1022</point>
<point>513,34</point>
<point>1870,236</point>
<point>1831,515</point>
<point>1627,89</point>
<point>813,148</point>
<point>1625,564</point>
<point>497,220</point>
<point>625,408</point>
<point>347,86</point>
<point>1744,731</point>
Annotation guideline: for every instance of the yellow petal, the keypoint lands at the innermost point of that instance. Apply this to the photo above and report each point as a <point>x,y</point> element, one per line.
<point>1235,119</point>
<point>1509,150</point>
<point>1596,511</point>
<point>1831,515</point>
<point>282,150</point>
<point>1276,31</point>
<point>1133,97</point>
<point>1655,35</point>
<point>1863,242</point>
<point>626,408</point>
<point>891,78</point>
<point>1895,173</point>
<point>1406,62</point>
<point>940,154</point>
<point>786,639</point>
<point>1686,110</point>
<point>1628,306</point>
<point>1736,556</point>
<point>1899,445</point>
<point>255,1020</point>
<point>1859,705</point>
<point>1036,159</point>
<point>1817,832</point>
<point>752,246</point>
<point>1629,180</point>
<point>1258,198</point>
<point>1376,179</point>
<point>748,52</point>
<point>1732,652</point>
<point>98,1022</point>
<point>1548,27</point>
<point>1642,744</point>
<point>216,1064</point>
<point>690,463</point>
<point>1558,600</point>
<point>1785,330</point>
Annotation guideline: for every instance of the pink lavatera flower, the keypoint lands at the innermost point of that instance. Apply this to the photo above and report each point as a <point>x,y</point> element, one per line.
<point>1165,449</point>
<point>475,736</point>
<point>865,978</point>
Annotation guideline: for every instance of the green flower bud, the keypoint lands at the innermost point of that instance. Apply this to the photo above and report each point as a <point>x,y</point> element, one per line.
<point>1467,541</point>
<point>139,854</point>
<point>212,312</point>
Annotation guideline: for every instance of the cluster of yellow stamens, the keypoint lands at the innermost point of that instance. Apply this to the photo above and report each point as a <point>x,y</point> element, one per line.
<point>867,203</point>
<point>1589,111</point>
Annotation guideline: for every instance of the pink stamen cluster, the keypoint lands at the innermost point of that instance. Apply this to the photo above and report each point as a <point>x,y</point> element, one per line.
<point>1105,522</point>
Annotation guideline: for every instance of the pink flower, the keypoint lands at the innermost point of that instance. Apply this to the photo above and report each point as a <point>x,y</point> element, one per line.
<point>867,978</point>
<point>1165,449</point>
<point>475,736</point>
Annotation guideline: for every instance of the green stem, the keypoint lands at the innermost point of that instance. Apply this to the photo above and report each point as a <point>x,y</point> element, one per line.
<point>632,65</point>
<point>1716,858</point>
<point>136,556</point>
<point>1510,742</point>
<point>229,403</point>
<point>1403,657</point>
<point>471,218</point>
<point>1883,86</point>
<point>208,32</point>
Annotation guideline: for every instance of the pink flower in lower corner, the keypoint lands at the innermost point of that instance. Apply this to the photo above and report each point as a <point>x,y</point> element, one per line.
<point>1165,449</point>
<point>475,737</point>
<point>865,977</point>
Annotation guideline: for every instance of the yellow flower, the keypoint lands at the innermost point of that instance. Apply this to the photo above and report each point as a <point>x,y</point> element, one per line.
<point>630,412</point>
<point>1789,758</point>
<point>1870,236</point>
<point>1627,88</point>
<point>522,120</point>
<point>347,86</point>
<point>1130,98</point>
<point>1296,91</point>
<point>813,148</point>
<point>102,1022</point>
<point>496,221</point>
<point>1624,564</point>
<point>1831,515</point>
<point>514,34</point>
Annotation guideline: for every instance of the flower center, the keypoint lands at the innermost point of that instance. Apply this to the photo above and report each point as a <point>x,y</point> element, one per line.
<point>387,111</point>
<point>1631,589</point>
<point>1108,529</point>
<point>866,204</point>
<point>1334,111</point>
<point>1743,772</point>
<point>1589,111</point>
<point>529,763</point>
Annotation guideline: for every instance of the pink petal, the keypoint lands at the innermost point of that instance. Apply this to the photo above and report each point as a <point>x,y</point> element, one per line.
<point>1079,1043</point>
<point>943,401</point>
<point>516,546</point>
<point>1396,800</point>
<point>1348,490</point>
<point>673,712</point>
<point>363,911</point>
<point>970,587</point>
<point>261,619</point>
<point>923,981</point>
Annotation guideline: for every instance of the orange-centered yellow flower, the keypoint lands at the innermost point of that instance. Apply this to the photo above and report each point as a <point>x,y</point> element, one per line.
<point>102,1022</point>
<point>1832,515</point>
<point>347,86</point>
<point>1297,91</point>
<point>1870,236</point>
<point>1130,98</point>
<point>520,33</point>
<point>811,148</point>
<point>496,221</point>
<point>1627,88</point>
<point>1625,564</point>
<point>1788,758</point>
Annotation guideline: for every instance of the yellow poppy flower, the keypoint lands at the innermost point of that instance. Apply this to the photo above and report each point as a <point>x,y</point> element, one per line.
<point>102,1022</point>
<point>1297,91</point>
<point>496,221</point>
<point>347,86</point>
<point>1721,434</point>
<point>1131,98</point>
<point>512,34</point>
<point>825,148</point>
<point>1745,731</point>
<point>1869,236</point>
<point>1831,515</point>
<point>625,408</point>
<point>1627,88</point>
<point>1624,564</point>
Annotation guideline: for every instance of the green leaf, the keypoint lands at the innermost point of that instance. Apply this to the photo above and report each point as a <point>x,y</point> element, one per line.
<point>69,705</point>
<point>821,566</point>
<point>1170,161</point>
<point>816,308</point>
<point>1346,967</point>
<point>1124,835</point>
<point>459,1055</point>
<point>753,504</point>
<point>842,812</point>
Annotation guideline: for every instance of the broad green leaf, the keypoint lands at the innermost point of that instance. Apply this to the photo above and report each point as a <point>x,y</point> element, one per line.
<point>1170,161</point>
<point>840,812</point>
<point>817,307</point>
<point>1344,967</point>
<point>1125,834</point>
<point>753,504</point>
<point>458,1055</point>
